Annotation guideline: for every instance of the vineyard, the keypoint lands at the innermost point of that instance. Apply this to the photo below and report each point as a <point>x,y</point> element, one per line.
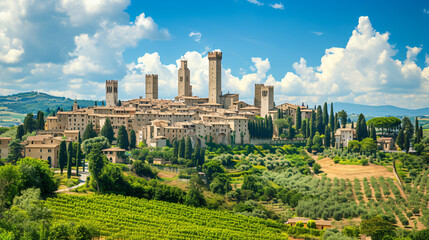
<point>119,217</point>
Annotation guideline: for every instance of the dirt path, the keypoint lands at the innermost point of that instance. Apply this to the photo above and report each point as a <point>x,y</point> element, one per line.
<point>352,171</point>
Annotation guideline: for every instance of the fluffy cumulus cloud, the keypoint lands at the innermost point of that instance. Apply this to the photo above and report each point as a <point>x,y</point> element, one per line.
<point>365,71</point>
<point>256,2</point>
<point>51,44</point>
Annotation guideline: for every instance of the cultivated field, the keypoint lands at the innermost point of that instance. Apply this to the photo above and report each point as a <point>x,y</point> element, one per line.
<point>352,171</point>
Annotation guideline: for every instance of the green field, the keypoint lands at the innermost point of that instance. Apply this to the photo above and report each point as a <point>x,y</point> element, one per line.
<point>8,119</point>
<point>120,217</point>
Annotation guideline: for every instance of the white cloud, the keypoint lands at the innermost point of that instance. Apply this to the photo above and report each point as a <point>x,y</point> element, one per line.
<point>426,11</point>
<point>101,53</point>
<point>256,2</point>
<point>196,36</point>
<point>365,69</point>
<point>277,6</point>
<point>318,33</point>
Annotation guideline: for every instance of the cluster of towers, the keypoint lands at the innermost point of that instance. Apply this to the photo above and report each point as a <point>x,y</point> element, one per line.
<point>264,95</point>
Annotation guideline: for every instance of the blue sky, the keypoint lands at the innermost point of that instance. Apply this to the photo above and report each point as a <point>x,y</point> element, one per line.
<point>368,52</point>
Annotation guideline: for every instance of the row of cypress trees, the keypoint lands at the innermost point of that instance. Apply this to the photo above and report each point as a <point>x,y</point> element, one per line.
<point>183,149</point>
<point>261,127</point>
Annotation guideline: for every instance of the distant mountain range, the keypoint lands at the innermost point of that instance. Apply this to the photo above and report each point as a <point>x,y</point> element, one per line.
<point>379,111</point>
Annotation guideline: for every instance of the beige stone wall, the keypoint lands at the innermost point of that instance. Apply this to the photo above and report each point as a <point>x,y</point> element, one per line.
<point>4,147</point>
<point>111,93</point>
<point>215,73</point>
<point>48,152</point>
<point>151,86</point>
<point>257,99</point>
<point>184,80</point>
<point>267,100</point>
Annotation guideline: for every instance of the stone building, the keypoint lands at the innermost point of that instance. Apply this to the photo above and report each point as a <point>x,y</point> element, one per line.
<point>343,136</point>
<point>267,100</point>
<point>257,98</point>
<point>4,147</point>
<point>215,76</point>
<point>111,93</point>
<point>151,86</point>
<point>184,79</point>
<point>115,155</point>
<point>45,147</point>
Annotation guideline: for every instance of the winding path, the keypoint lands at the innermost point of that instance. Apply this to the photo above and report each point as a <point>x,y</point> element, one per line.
<point>82,179</point>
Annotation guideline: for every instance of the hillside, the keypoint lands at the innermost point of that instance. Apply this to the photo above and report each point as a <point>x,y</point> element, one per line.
<point>13,108</point>
<point>379,111</point>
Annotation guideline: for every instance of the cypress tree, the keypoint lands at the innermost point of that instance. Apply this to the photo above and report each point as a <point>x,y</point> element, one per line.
<point>313,124</point>
<point>304,128</point>
<point>373,133</point>
<point>319,120</point>
<point>89,132</point>
<point>107,131</point>
<point>327,136</point>
<point>311,130</point>
<point>353,124</point>
<point>133,139</point>
<point>197,153</point>
<point>176,149</point>
<point>79,139</point>
<point>20,132</point>
<point>361,128</point>
<point>332,118</point>
<point>123,138</point>
<point>308,131</point>
<point>298,119</point>
<point>78,157</point>
<point>29,124</point>
<point>333,138</point>
<point>417,131</point>
<point>406,141</point>
<point>69,160</point>
<point>325,114</point>
<point>202,157</point>
<point>40,121</point>
<point>62,156</point>
<point>188,148</point>
<point>400,139</point>
<point>182,148</point>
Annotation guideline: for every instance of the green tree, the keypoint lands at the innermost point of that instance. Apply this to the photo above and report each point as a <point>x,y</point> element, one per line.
<point>291,132</point>
<point>343,116</point>
<point>327,137</point>
<point>133,139</point>
<point>142,169</point>
<point>319,120</point>
<point>195,198</point>
<point>197,153</point>
<point>333,138</point>
<point>417,131</point>
<point>400,139</point>
<point>36,173</point>
<point>78,158</point>
<point>361,128</point>
<point>332,118</point>
<point>188,148</point>
<point>62,156</point>
<point>325,114</point>
<point>373,133</point>
<point>202,157</point>
<point>123,138</point>
<point>29,124</point>
<point>220,184</point>
<point>10,184</point>
<point>317,142</point>
<point>316,168</point>
<point>377,228</point>
<point>211,168</point>
<point>97,142</point>
<point>298,119</point>
<point>388,123</point>
<point>40,121</point>
<point>368,145</point>
<point>15,151</point>
<point>176,149</point>
<point>107,131</point>
<point>408,126</point>
<point>406,142</point>
<point>182,148</point>
<point>311,224</point>
<point>354,146</point>
<point>69,160</point>
<point>96,164</point>
<point>20,132</point>
<point>89,132</point>
<point>304,128</point>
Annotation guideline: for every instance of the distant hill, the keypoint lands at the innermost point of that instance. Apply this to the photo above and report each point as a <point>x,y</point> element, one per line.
<point>379,111</point>
<point>14,107</point>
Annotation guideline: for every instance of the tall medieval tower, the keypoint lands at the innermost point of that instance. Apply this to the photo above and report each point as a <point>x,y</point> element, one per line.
<point>215,72</point>
<point>151,86</point>
<point>257,99</point>
<point>185,88</point>
<point>111,93</point>
<point>267,100</point>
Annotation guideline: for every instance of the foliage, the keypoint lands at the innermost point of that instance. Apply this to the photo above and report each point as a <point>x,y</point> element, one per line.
<point>99,143</point>
<point>143,170</point>
<point>377,228</point>
<point>132,139</point>
<point>261,128</point>
<point>107,131</point>
<point>123,138</point>
<point>89,132</point>
<point>35,173</point>
<point>15,151</point>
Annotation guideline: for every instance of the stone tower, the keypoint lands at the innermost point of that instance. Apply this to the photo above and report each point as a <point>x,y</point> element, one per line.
<point>185,88</point>
<point>151,86</point>
<point>111,93</point>
<point>267,99</point>
<point>257,99</point>
<point>215,72</point>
